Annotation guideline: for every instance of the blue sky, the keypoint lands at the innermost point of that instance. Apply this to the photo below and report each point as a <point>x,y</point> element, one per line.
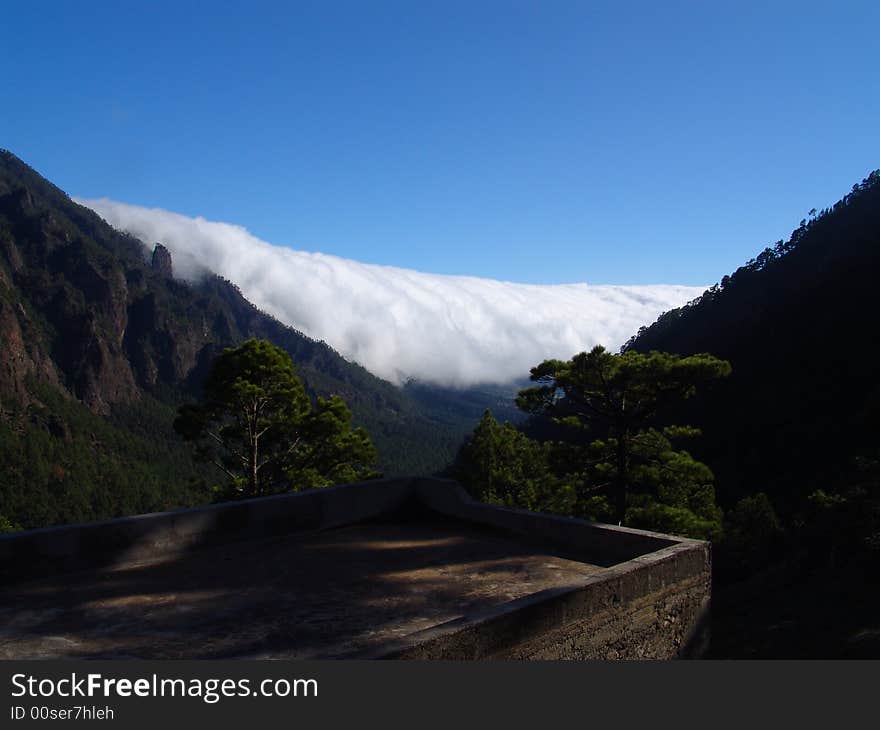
<point>540,142</point>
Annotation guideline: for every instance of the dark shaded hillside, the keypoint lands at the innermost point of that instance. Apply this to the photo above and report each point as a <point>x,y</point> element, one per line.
<point>799,324</point>
<point>798,421</point>
<point>100,344</point>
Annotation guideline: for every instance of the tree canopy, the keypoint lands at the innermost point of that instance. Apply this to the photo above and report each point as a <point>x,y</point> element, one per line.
<point>610,402</point>
<point>257,424</point>
<point>500,465</point>
<point>601,451</point>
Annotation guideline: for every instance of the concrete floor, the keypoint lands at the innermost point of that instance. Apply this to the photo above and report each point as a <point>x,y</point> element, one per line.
<point>329,594</point>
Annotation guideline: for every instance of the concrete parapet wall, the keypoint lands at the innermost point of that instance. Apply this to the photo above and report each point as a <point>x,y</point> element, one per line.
<point>654,606</point>
<point>131,539</point>
<point>599,543</point>
<point>649,599</point>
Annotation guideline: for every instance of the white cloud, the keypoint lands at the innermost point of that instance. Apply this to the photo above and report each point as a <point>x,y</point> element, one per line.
<point>399,323</point>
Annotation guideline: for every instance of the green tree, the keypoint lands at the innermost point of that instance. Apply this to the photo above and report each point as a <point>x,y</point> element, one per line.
<point>257,424</point>
<point>500,465</point>
<point>609,403</point>
<point>669,490</point>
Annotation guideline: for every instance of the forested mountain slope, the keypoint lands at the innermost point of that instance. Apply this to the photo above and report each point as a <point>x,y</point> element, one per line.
<point>800,324</point>
<point>100,344</point>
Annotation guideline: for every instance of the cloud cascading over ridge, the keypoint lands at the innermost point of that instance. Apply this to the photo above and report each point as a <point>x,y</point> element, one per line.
<point>399,323</point>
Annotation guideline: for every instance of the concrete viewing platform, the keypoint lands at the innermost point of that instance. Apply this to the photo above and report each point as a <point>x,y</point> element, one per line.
<point>392,568</point>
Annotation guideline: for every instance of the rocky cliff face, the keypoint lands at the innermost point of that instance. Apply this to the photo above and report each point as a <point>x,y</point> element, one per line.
<point>66,302</point>
<point>18,361</point>
<point>84,310</point>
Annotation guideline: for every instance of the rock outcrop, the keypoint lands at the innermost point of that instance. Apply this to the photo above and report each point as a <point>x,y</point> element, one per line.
<point>162,261</point>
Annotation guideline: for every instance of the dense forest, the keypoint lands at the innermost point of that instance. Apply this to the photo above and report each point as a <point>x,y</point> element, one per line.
<point>101,345</point>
